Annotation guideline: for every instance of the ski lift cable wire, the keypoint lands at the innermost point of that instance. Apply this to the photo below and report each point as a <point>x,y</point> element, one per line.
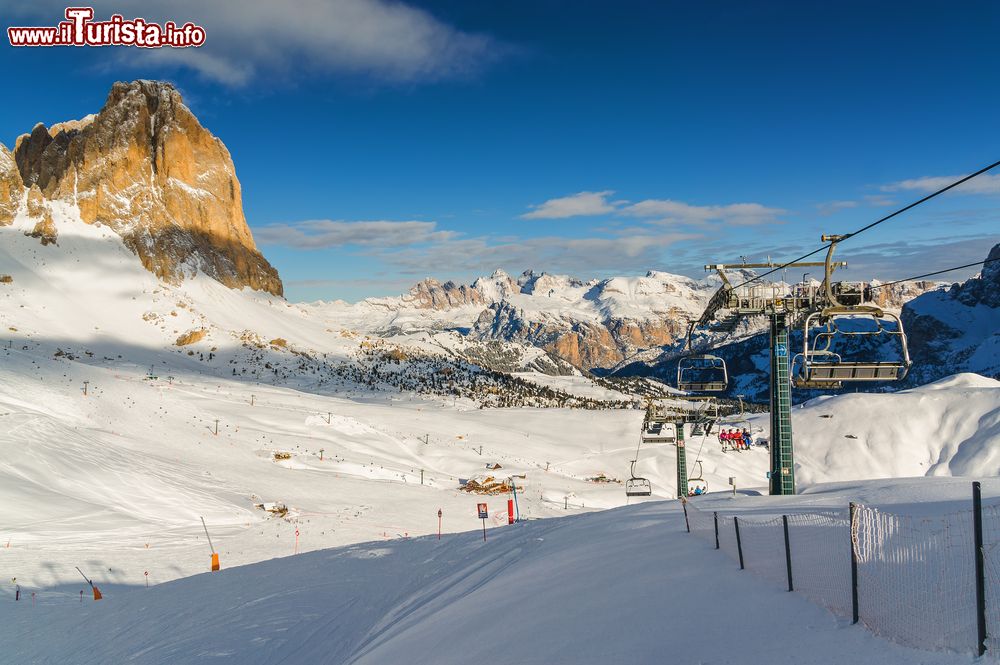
<point>936,272</point>
<point>704,435</point>
<point>875,223</point>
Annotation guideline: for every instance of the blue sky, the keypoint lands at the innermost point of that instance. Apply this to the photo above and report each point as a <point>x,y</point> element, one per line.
<point>379,143</point>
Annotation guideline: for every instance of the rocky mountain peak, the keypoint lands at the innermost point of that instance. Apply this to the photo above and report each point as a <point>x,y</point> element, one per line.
<point>984,289</point>
<point>432,294</point>
<point>147,168</point>
<point>991,271</point>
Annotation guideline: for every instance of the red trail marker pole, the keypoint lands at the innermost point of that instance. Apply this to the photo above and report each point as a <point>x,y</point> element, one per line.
<point>439,523</point>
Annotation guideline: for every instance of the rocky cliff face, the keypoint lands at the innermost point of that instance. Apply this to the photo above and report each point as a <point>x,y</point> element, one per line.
<point>432,294</point>
<point>11,187</point>
<point>146,167</point>
<point>585,344</point>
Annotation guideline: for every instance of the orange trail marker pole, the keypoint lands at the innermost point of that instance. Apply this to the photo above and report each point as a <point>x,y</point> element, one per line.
<point>215,555</point>
<point>97,592</point>
<point>296,550</point>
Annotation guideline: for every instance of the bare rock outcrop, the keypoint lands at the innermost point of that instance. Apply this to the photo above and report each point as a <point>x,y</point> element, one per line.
<point>584,344</point>
<point>11,187</point>
<point>38,209</point>
<point>146,167</point>
<point>191,337</point>
<point>432,294</point>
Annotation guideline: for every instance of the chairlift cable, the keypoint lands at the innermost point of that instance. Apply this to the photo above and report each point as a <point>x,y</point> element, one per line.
<point>875,223</point>
<point>704,435</point>
<point>937,272</point>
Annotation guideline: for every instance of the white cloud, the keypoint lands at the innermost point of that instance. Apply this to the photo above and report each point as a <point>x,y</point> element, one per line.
<point>327,233</point>
<point>384,39</point>
<point>578,255</point>
<point>830,207</point>
<point>577,205</point>
<point>669,212</point>
<point>879,200</point>
<point>983,184</point>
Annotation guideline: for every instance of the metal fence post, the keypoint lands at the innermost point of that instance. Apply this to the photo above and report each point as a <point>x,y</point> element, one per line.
<point>977,523</point>
<point>788,553</point>
<point>715,516</point>
<point>854,566</point>
<point>739,543</point>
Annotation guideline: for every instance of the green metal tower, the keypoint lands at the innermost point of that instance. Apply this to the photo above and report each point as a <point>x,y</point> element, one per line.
<point>780,308</point>
<point>682,469</point>
<point>782,480</point>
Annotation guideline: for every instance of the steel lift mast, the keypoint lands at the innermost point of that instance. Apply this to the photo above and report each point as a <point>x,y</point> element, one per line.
<point>679,417</point>
<point>782,310</point>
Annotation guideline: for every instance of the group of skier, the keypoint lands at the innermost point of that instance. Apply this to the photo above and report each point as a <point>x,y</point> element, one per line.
<point>735,439</point>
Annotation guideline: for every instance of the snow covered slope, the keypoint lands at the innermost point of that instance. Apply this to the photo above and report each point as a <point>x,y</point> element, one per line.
<point>947,428</point>
<point>621,586</point>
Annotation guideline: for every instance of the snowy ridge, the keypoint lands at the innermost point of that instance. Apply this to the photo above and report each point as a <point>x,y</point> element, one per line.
<point>540,297</point>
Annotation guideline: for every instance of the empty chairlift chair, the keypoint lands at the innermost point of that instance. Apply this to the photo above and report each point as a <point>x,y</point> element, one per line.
<point>657,432</point>
<point>636,486</point>
<point>821,365</point>
<point>701,374</point>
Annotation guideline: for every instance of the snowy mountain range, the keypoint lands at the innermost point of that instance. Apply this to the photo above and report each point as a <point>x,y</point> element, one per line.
<point>590,324</point>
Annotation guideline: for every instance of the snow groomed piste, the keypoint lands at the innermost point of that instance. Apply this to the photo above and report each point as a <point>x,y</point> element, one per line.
<point>563,587</point>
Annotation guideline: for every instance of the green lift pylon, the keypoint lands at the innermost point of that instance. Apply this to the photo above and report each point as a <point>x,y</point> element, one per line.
<point>781,310</point>
<point>782,476</point>
<point>682,469</point>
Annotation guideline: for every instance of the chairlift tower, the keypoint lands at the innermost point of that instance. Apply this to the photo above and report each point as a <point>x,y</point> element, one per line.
<point>781,309</point>
<point>679,417</point>
<point>682,467</point>
<point>819,366</point>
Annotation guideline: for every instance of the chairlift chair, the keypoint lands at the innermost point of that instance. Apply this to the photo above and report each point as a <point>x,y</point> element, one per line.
<point>702,373</point>
<point>697,481</point>
<point>820,367</point>
<point>658,432</point>
<point>636,486</point>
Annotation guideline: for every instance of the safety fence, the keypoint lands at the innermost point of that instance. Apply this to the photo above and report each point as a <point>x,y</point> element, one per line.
<point>928,581</point>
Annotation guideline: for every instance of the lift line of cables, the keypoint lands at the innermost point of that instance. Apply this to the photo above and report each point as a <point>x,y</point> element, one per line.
<point>876,223</point>
<point>936,272</point>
